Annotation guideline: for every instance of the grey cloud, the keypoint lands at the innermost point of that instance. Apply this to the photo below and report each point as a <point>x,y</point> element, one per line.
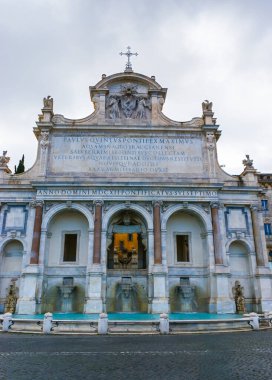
<point>220,50</point>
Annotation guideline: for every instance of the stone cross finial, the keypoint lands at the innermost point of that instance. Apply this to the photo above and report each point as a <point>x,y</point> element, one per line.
<point>128,54</point>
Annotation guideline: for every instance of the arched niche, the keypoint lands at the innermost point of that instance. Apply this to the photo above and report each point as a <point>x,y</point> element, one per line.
<point>12,256</point>
<point>239,258</point>
<point>240,269</point>
<point>11,261</point>
<point>186,243</point>
<point>127,241</point>
<point>67,238</point>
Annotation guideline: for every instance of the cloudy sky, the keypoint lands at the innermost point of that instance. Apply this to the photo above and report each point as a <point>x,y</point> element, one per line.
<point>218,50</point>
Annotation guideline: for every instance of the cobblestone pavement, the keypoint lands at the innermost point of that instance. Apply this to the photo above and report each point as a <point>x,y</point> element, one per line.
<point>238,356</point>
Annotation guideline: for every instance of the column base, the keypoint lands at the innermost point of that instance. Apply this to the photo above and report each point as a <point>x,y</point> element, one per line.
<point>265,293</point>
<point>93,306</point>
<point>220,302</point>
<point>26,306</point>
<point>159,302</point>
<point>94,299</point>
<point>221,306</point>
<point>160,306</point>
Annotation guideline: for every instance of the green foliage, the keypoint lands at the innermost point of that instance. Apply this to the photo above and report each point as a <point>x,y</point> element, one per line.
<point>21,166</point>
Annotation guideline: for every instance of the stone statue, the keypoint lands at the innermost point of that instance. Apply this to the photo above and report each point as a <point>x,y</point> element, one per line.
<point>11,300</point>
<point>96,102</point>
<point>210,140</point>
<point>113,106</point>
<point>141,108</point>
<point>248,163</point>
<point>48,102</point>
<point>44,140</point>
<point>207,106</point>
<point>238,291</point>
<point>4,160</point>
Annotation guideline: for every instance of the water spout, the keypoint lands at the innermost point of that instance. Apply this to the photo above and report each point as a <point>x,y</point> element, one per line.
<point>66,290</point>
<point>186,295</point>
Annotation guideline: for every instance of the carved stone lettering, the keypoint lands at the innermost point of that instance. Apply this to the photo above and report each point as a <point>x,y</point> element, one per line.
<point>99,155</point>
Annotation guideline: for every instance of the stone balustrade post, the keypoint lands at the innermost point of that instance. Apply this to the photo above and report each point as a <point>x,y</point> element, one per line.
<point>7,322</point>
<point>47,323</point>
<point>102,324</point>
<point>35,248</point>
<point>218,254</point>
<point>164,324</point>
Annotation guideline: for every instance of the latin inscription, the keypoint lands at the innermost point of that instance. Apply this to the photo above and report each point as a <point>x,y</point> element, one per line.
<point>126,155</point>
<point>106,192</point>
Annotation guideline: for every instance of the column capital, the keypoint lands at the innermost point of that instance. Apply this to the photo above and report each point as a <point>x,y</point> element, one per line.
<point>35,203</point>
<point>98,202</point>
<point>157,203</point>
<point>255,208</point>
<point>217,205</point>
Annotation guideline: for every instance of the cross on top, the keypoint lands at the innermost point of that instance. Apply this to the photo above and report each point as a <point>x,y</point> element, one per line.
<point>128,54</point>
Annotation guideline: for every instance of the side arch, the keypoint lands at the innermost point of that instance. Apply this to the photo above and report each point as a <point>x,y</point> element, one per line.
<point>194,209</point>
<point>9,239</point>
<point>248,245</point>
<point>74,206</point>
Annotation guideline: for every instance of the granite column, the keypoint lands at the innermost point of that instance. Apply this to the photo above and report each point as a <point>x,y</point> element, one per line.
<point>97,232</point>
<point>257,236</point>
<point>218,254</point>
<point>35,248</point>
<point>157,233</point>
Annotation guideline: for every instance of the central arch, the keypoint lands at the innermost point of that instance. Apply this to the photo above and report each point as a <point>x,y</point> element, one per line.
<point>127,261</point>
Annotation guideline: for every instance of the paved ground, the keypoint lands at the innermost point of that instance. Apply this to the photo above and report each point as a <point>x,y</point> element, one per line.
<point>221,356</point>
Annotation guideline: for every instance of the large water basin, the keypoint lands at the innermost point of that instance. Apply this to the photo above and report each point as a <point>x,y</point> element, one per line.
<point>131,316</point>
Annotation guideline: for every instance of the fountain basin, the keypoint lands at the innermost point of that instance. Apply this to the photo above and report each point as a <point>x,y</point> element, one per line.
<point>133,322</point>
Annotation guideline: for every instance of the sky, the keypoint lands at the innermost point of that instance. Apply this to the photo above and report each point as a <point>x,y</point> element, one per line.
<point>209,49</point>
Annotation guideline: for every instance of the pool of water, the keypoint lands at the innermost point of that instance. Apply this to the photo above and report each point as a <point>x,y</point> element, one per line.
<point>130,316</point>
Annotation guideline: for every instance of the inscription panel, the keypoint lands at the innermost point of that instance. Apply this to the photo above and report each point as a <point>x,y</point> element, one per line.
<point>126,193</point>
<point>126,156</point>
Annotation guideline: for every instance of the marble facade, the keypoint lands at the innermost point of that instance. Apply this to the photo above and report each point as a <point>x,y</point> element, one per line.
<point>128,169</point>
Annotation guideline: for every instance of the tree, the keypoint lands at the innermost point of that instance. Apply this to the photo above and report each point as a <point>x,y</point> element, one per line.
<point>21,166</point>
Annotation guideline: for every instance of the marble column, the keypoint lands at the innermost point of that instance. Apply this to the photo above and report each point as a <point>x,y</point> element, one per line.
<point>94,301</point>
<point>218,254</point>
<point>97,232</point>
<point>157,233</point>
<point>35,248</point>
<point>257,236</point>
